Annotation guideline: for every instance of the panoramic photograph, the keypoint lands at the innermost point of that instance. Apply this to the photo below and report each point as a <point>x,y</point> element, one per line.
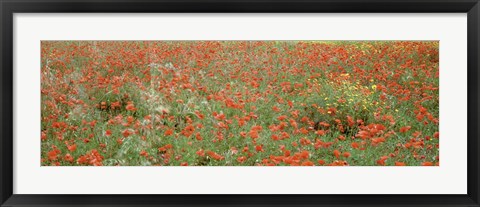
<point>240,103</point>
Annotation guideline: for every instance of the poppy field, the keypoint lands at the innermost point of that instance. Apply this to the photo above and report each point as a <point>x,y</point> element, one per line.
<point>240,103</point>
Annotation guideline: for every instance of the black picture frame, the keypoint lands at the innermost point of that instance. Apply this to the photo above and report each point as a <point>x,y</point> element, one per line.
<point>9,7</point>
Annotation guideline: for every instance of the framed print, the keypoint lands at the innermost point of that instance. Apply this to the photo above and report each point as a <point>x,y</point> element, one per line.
<point>241,103</point>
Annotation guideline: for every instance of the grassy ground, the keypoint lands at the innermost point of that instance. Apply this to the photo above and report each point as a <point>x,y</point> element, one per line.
<point>240,103</point>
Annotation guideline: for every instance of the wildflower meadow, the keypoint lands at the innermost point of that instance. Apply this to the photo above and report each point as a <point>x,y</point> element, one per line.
<point>240,103</point>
